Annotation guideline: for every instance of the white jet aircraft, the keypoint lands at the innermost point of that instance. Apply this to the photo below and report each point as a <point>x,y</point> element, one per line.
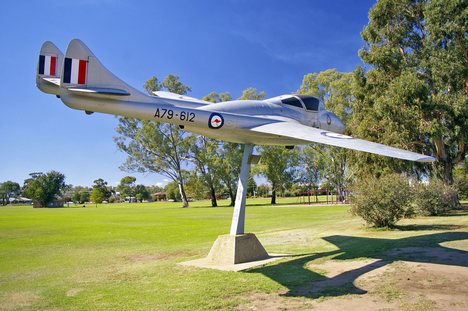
<point>83,83</point>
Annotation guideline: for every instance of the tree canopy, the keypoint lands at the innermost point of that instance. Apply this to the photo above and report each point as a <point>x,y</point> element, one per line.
<point>152,146</point>
<point>415,94</point>
<point>44,188</point>
<point>9,189</point>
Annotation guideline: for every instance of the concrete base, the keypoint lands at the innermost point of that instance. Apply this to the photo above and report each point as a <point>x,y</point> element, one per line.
<point>234,249</point>
<point>235,253</point>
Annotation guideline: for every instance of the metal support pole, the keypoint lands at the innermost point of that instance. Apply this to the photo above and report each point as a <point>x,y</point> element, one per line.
<point>238,217</point>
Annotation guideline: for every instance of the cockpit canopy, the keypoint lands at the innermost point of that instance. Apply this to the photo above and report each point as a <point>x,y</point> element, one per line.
<point>310,103</point>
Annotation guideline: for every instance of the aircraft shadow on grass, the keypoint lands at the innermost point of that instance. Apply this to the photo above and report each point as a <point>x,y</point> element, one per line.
<point>302,282</point>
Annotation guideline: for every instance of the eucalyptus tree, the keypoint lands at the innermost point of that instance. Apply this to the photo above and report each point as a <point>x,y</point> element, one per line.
<point>415,93</point>
<point>334,89</point>
<point>278,166</point>
<point>156,147</point>
<point>203,153</point>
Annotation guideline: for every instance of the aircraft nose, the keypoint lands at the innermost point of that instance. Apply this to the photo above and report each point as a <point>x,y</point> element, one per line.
<point>330,122</point>
<point>338,124</point>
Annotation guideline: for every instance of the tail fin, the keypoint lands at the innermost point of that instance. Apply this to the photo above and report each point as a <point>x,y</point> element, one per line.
<point>83,74</point>
<point>49,68</point>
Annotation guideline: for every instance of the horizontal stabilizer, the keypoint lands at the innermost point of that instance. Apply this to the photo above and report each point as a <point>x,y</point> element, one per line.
<point>315,135</point>
<point>55,81</point>
<point>99,91</point>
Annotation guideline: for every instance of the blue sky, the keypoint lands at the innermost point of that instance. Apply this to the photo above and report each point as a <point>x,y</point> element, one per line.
<point>212,45</point>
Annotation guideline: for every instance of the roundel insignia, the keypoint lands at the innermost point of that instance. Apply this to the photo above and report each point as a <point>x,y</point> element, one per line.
<point>336,135</point>
<point>215,121</point>
<point>328,119</point>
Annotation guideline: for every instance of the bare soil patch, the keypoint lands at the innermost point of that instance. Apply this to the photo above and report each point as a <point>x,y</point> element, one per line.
<point>426,279</point>
<point>11,301</point>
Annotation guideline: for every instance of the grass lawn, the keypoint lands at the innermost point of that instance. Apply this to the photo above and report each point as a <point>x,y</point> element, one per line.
<point>124,256</point>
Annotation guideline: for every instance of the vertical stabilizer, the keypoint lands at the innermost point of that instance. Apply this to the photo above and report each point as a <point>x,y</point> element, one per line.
<point>49,67</point>
<point>84,75</point>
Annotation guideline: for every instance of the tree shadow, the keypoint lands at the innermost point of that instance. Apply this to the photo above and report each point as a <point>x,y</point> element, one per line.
<point>303,282</point>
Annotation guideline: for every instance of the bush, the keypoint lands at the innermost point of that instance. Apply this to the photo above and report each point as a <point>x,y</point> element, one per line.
<point>462,185</point>
<point>382,202</point>
<point>435,198</point>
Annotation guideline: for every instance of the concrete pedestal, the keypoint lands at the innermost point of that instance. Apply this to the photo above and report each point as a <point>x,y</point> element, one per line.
<point>235,253</point>
<point>235,249</point>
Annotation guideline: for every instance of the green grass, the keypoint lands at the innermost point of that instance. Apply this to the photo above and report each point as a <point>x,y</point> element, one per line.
<point>124,256</point>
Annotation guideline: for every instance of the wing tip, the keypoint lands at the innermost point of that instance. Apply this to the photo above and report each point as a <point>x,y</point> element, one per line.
<point>427,159</point>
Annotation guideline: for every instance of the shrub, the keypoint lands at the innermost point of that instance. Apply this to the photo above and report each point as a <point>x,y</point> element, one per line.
<point>435,198</point>
<point>382,202</point>
<point>462,185</point>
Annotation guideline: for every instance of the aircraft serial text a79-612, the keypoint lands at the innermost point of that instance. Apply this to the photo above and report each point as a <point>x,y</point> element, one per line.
<point>80,80</point>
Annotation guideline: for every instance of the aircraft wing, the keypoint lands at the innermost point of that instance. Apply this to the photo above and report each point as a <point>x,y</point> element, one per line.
<point>315,135</point>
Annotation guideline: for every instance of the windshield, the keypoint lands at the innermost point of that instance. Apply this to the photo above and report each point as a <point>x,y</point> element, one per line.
<point>311,103</point>
<point>292,101</point>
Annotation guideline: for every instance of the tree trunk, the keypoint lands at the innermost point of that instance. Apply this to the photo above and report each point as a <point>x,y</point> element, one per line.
<point>446,172</point>
<point>213,196</point>
<point>444,164</point>
<point>232,197</point>
<point>273,197</point>
<point>183,195</point>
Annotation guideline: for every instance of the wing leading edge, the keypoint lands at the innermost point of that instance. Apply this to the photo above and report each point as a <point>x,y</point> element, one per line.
<point>302,132</point>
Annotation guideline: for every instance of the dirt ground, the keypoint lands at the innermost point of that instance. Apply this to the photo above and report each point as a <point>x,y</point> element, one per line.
<point>431,279</point>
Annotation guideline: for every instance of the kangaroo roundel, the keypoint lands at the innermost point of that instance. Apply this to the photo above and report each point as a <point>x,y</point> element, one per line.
<point>216,121</point>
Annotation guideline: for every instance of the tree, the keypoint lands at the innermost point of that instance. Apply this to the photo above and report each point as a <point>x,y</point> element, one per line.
<point>278,165</point>
<point>227,165</point>
<point>461,179</point>
<point>251,186</point>
<point>263,190</point>
<point>335,90</point>
<point>311,168</point>
<point>172,84</point>
<point>214,97</point>
<point>196,186</point>
<point>84,196</point>
<point>100,191</point>
<point>152,85</point>
<point>415,94</point>
<point>43,188</point>
<point>96,195</point>
<point>154,189</point>
<point>252,94</point>
<point>9,189</point>
<point>202,151</point>
<point>155,147</point>
<point>76,194</point>
<point>172,191</point>
<point>141,193</point>
<point>126,187</point>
